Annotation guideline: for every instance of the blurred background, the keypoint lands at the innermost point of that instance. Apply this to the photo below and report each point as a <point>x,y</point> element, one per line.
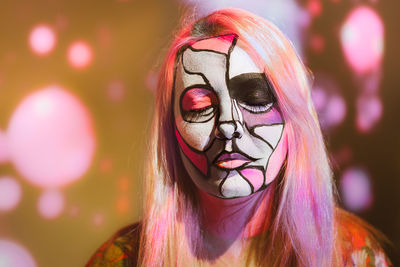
<point>76,95</point>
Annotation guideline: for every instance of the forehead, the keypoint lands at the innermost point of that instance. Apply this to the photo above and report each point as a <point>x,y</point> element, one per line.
<point>217,56</point>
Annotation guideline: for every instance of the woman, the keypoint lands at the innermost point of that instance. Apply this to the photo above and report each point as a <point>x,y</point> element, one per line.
<point>238,173</point>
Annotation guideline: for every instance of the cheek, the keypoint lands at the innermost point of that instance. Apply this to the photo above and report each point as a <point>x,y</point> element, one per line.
<point>269,126</point>
<point>276,160</point>
<point>268,118</point>
<point>198,159</point>
<point>196,135</point>
<point>193,138</point>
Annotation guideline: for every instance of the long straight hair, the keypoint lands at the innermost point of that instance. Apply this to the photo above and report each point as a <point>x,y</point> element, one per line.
<point>302,226</point>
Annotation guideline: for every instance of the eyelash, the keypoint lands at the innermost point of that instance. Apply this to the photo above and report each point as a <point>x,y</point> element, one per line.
<point>197,113</point>
<point>256,108</point>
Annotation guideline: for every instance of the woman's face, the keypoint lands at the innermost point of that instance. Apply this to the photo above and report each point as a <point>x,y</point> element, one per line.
<point>227,121</point>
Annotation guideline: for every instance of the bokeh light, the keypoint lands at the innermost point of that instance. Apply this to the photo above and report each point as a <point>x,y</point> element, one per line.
<point>105,165</point>
<point>51,204</point>
<point>314,7</point>
<point>369,112</point>
<point>317,43</point>
<point>151,81</point>
<point>356,189</point>
<point>104,37</point>
<point>342,156</point>
<point>330,105</point>
<point>15,255</point>
<point>362,40</point>
<point>123,204</point>
<point>98,219</point>
<point>10,193</point>
<point>123,184</point>
<point>3,147</point>
<point>42,39</point>
<point>59,147</point>
<point>74,210</point>
<point>80,54</point>
<point>61,21</point>
<point>116,90</point>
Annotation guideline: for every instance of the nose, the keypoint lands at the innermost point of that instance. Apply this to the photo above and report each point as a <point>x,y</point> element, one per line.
<point>229,130</point>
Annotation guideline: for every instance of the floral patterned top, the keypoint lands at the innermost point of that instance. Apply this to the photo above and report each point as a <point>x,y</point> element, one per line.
<point>358,250</point>
<point>120,250</point>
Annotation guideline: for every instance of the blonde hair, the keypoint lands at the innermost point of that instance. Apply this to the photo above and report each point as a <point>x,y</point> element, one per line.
<point>302,224</point>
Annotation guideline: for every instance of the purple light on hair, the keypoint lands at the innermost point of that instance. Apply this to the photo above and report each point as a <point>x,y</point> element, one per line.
<point>369,112</point>
<point>51,204</point>
<point>356,189</point>
<point>15,255</point>
<point>10,193</point>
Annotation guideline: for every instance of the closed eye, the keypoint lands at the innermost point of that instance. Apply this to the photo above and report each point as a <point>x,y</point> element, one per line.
<point>256,108</point>
<point>197,104</point>
<point>253,92</point>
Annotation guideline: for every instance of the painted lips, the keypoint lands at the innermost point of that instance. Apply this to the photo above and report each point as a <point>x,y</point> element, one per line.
<point>231,160</point>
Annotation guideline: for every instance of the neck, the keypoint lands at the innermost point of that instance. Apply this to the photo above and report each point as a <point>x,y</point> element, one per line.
<point>239,218</point>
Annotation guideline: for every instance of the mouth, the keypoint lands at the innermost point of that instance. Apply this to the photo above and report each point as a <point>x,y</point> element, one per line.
<point>231,160</point>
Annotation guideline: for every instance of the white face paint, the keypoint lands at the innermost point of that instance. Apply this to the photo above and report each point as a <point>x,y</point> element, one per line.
<point>228,124</point>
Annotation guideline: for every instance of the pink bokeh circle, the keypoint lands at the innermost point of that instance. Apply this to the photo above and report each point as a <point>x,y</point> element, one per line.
<point>15,255</point>
<point>10,193</point>
<point>116,90</point>
<point>369,112</point>
<point>42,39</point>
<point>51,138</point>
<point>51,204</point>
<point>80,54</point>
<point>356,189</point>
<point>362,41</point>
<point>330,105</point>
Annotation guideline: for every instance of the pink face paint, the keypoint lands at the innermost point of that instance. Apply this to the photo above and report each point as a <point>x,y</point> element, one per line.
<point>277,159</point>
<point>271,117</point>
<point>254,176</point>
<point>197,99</point>
<point>220,89</point>
<point>199,160</point>
<point>220,44</point>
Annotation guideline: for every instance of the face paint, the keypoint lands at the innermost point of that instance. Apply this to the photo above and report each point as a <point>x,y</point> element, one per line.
<point>227,121</point>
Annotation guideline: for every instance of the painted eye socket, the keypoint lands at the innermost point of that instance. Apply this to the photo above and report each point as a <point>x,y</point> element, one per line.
<point>198,104</point>
<point>253,92</point>
<point>256,108</point>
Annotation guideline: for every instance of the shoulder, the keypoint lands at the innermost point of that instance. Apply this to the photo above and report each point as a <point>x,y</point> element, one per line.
<point>360,243</point>
<point>120,250</point>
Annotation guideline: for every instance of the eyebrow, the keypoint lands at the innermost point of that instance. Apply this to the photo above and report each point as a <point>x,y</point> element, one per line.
<point>251,87</point>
